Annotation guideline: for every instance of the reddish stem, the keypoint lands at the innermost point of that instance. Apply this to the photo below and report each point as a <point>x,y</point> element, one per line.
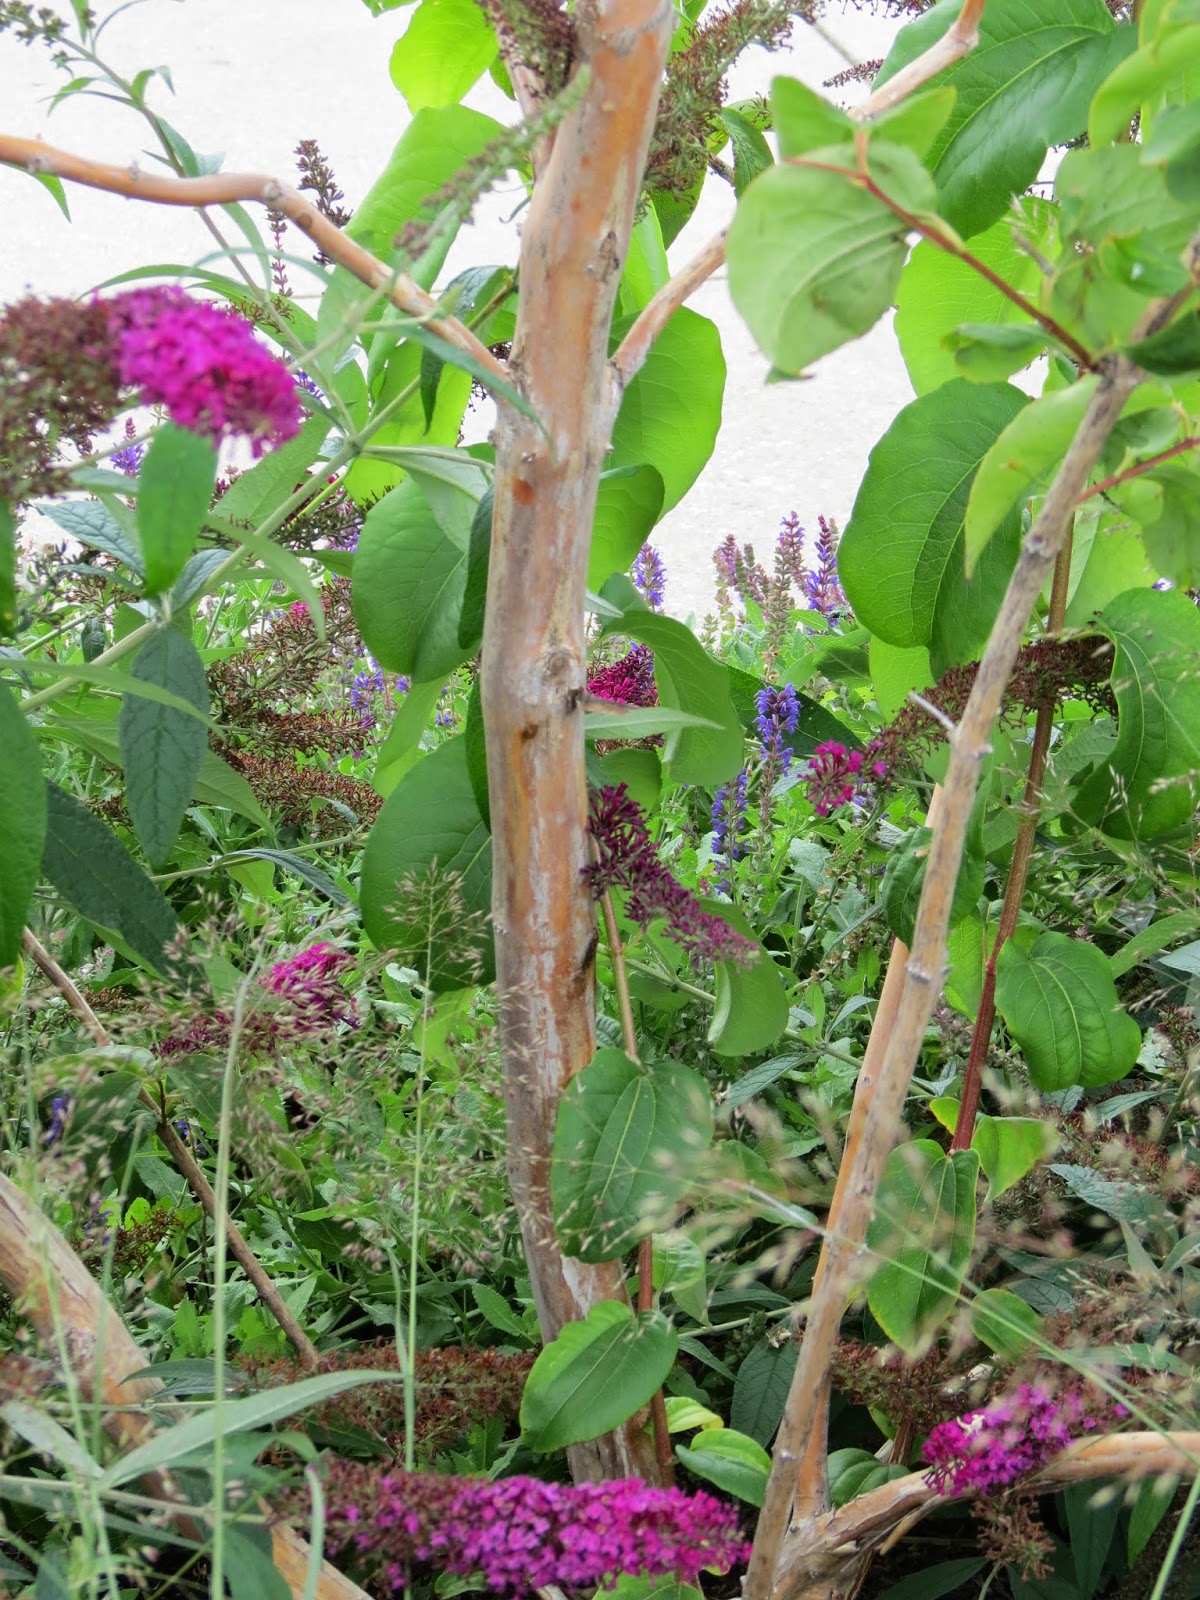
<point>1139,467</point>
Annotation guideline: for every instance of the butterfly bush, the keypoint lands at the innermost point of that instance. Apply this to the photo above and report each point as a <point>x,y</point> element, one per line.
<point>629,681</point>
<point>627,859</point>
<point>204,365</point>
<point>313,1002</point>
<point>520,1534</point>
<point>985,1451</point>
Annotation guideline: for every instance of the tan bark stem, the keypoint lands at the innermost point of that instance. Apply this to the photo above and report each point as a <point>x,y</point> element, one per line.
<point>958,41</point>
<point>31,155</point>
<point>652,319</point>
<point>184,1161</point>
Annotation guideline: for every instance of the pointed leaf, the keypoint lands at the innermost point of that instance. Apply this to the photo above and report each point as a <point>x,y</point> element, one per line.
<point>445,48</point>
<point>162,749</point>
<point>751,1008</point>
<point>1009,1148</point>
<point>761,1390</point>
<point>175,486</point>
<point>22,824</point>
<point>629,501</point>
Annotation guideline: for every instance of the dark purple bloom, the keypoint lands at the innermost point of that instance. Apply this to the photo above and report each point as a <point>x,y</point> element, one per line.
<point>129,458</point>
<point>822,587</point>
<point>778,713</point>
<point>60,1111</point>
<point>987,1450</point>
<point>521,1534</point>
<point>628,860</point>
<point>728,815</point>
<point>629,681</point>
<point>650,576</point>
<point>832,770</point>
<point>204,365</point>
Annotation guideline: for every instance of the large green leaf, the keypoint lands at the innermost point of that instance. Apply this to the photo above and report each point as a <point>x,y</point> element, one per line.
<point>22,823</point>
<point>253,495</point>
<point>671,410</point>
<point>175,485</point>
<point>1060,1004</point>
<point>690,680</point>
<point>751,1008</point>
<point>1010,1147</point>
<point>1156,74</point>
<point>626,1145</point>
<point>1150,781</point>
<point>595,1375</point>
<point>1025,87</point>
<point>629,501</point>
<point>901,557</point>
<point>814,258</point>
<point>904,880</point>
<point>445,48</point>
<point>162,749</point>
<point>924,1228</point>
<point>761,1389</point>
<point>731,1460</point>
<point>410,577</point>
<point>938,293</point>
<point>430,827</point>
<point>97,876</point>
<point>8,570</point>
<point>93,524</point>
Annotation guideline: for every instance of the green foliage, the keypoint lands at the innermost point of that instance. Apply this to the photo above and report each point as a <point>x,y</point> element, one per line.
<point>1060,1005</point>
<point>175,485</point>
<point>22,824</point>
<point>162,749</point>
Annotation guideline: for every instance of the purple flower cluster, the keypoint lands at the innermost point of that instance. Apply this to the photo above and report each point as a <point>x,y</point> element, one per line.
<point>314,1001</point>
<point>822,586</point>
<point>728,815</point>
<point>778,712</point>
<point>738,572</point>
<point>832,774</point>
<point>60,1112</point>
<point>204,365</point>
<point>628,860</point>
<point>650,576</point>
<point>129,458</point>
<point>987,1450</point>
<point>629,681</point>
<point>520,1534</point>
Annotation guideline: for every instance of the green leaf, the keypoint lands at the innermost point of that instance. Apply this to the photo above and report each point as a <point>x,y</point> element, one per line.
<point>250,1568</point>
<point>1151,77</point>
<point>814,258</point>
<point>1060,1004</point>
<point>1025,87</point>
<point>1090,1530</point>
<point>690,680</point>
<point>804,120</point>
<point>175,485</point>
<point>751,1008</point>
<point>401,748</point>
<point>410,577</point>
<point>445,48</point>
<point>175,1444</point>
<point>22,824</point>
<point>498,1312</point>
<point>100,880</point>
<point>1150,781</point>
<point>1010,1147</point>
<point>751,152</point>
<point>479,552</point>
<point>931,1583</point>
<point>924,1227</point>
<point>990,352</point>
<point>1005,1323</point>
<point>595,1376</point>
<point>317,880</point>
<point>938,293</point>
<point>254,495</point>
<point>1151,1502</point>
<point>896,671</point>
<point>626,1145</point>
<point>8,570</point>
<point>430,827</point>
<point>1153,939</point>
<point>671,410</point>
<point>1035,440</point>
<point>761,1390</point>
<point>735,1463</point>
<point>1173,351</point>
<point>282,564</point>
<point>162,749</point>
<point>917,120</point>
<point>1172,538</point>
<point>901,557</point>
<point>94,525</point>
<point>904,879</point>
<point>640,722</point>
<point>629,501</point>
<point>853,1472</point>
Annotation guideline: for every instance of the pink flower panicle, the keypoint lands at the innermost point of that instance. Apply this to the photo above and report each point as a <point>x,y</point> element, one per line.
<point>987,1450</point>
<point>204,365</point>
<point>629,681</point>
<point>628,860</point>
<point>832,770</point>
<point>521,1534</point>
<point>314,1001</point>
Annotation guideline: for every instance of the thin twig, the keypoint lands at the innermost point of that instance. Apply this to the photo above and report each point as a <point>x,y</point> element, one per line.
<point>31,155</point>
<point>958,41</point>
<point>184,1160</point>
<point>654,316</point>
<point>1146,465</point>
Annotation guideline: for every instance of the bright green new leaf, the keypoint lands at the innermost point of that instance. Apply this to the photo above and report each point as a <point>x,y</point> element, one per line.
<point>990,352</point>
<point>410,578</point>
<point>446,47</point>
<point>751,1008</point>
<point>22,823</point>
<point>731,1460</point>
<point>400,750</point>
<point>595,1375</point>
<point>814,258</point>
<point>175,485</point>
<point>671,410</point>
<point>917,120</point>
<point>938,293</point>
<point>1060,1005</point>
<point>896,670</point>
<point>626,1146</point>
<point>751,152</point>
<point>902,555</point>
<point>1149,783</point>
<point>426,887</point>
<point>924,1229</point>
<point>1026,86</point>
<point>1009,1148</point>
<point>97,877</point>
<point>629,501</point>
<point>1004,1322</point>
<point>804,120</point>
<point>1153,77</point>
<point>162,750</point>
<point>1038,437</point>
